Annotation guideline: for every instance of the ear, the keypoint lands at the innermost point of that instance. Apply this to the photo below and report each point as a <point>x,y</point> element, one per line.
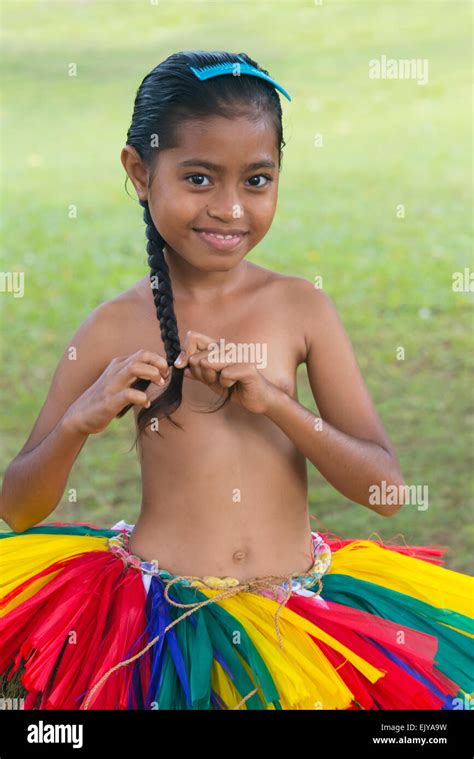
<point>136,170</point>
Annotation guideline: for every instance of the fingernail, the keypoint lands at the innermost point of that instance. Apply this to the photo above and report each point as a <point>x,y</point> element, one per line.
<point>180,359</point>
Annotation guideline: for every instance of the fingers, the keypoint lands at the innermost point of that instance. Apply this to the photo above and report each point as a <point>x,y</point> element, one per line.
<point>193,342</point>
<point>200,369</point>
<point>135,397</point>
<point>226,381</point>
<point>232,373</point>
<point>220,372</point>
<point>145,365</point>
<point>195,356</point>
<point>209,375</point>
<point>150,357</point>
<point>144,371</point>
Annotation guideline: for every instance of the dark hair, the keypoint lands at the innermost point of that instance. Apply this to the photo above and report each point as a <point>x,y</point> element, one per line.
<point>168,96</point>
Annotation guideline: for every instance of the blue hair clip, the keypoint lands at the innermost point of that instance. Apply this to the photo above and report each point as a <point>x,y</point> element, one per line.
<point>234,68</point>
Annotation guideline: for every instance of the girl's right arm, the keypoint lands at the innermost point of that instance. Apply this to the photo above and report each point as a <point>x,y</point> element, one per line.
<point>89,387</point>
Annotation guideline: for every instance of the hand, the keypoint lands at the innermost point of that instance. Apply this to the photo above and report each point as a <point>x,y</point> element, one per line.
<point>252,390</point>
<point>102,401</point>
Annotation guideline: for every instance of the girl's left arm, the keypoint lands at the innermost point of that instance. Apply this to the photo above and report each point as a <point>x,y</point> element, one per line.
<point>348,444</point>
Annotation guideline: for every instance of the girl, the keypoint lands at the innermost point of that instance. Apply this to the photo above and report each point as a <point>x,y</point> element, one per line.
<point>220,596</point>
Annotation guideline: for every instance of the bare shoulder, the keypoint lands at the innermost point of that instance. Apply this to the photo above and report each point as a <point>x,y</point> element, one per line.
<point>301,300</point>
<point>118,310</point>
<point>290,287</point>
<point>303,294</point>
<point>314,308</point>
<point>105,332</point>
<point>317,314</point>
<point>134,297</point>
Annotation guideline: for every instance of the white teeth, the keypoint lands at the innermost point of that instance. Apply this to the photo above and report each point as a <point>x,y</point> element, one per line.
<point>222,237</point>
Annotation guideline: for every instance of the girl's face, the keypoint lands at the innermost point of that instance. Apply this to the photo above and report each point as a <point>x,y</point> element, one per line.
<point>223,178</point>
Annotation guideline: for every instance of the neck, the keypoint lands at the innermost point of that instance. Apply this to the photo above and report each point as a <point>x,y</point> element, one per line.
<point>201,286</point>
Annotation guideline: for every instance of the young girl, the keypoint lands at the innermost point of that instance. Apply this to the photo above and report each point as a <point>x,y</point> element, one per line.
<point>220,596</point>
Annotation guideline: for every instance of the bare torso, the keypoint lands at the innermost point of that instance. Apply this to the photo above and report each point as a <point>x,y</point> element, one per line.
<point>228,494</point>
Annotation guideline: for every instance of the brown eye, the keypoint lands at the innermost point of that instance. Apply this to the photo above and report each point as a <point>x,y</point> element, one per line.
<point>199,176</point>
<point>259,176</point>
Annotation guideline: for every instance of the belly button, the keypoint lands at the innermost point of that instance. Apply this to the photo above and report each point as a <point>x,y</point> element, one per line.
<point>239,555</point>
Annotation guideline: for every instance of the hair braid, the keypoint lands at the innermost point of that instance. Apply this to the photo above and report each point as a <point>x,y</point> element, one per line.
<point>170,399</point>
<point>161,286</point>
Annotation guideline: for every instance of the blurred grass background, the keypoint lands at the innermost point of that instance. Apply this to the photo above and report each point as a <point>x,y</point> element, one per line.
<point>384,143</point>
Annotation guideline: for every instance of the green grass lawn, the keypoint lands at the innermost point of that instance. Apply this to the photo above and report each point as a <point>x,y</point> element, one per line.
<point>385,143</point>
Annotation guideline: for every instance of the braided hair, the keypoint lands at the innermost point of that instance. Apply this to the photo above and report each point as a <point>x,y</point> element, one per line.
<point>169,95</point>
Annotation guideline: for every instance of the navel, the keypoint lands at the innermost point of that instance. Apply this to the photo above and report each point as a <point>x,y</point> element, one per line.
<point>239,556</point>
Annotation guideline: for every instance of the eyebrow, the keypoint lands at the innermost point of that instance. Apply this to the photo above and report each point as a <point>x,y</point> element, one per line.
<point>215,167</point>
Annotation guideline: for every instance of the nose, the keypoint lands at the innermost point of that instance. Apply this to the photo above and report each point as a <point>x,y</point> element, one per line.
<point>226,205</point>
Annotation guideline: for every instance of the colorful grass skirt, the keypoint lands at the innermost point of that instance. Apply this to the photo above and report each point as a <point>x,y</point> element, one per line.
<point>371,626</point>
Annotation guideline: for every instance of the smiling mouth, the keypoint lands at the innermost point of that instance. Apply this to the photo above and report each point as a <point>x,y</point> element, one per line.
<point>221,241</point>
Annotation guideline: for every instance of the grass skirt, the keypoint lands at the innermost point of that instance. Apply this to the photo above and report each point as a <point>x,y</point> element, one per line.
<point>371,626</point>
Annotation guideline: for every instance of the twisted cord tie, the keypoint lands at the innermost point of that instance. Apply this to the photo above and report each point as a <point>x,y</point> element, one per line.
<point>255,584</point>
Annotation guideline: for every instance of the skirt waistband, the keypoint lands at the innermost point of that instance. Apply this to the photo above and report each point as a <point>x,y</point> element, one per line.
<point>119,544</point>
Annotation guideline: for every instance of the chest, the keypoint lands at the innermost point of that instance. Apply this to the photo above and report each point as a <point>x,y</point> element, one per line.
<point>253,332</point>
<point>256,334</point>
